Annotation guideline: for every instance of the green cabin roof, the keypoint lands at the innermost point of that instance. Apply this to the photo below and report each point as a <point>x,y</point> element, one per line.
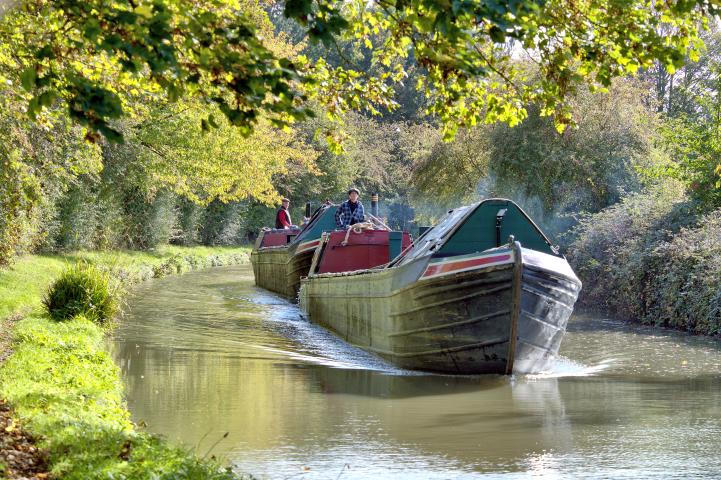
<point>323,220</point>
<point>482,226</point>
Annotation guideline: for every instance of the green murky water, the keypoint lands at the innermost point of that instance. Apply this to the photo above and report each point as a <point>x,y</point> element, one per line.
<point>209,353</point>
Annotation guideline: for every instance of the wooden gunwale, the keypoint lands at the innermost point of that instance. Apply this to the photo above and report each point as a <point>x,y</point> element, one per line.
<point>477,293</point>
<point>274,247</point>
<point>452,286</point>
<point>395,292</point>
<point>533,291</point>
<point>468,321</point>
<point>551,287</point>
<point>449,278</point>
<point>538,319</point>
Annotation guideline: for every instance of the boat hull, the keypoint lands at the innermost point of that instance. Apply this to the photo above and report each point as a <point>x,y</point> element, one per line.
<point>280,269</point>
<point>503,318</point>
<point>549,289</point>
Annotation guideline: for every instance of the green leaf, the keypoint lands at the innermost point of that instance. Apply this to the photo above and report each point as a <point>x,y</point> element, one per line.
<point>28,78</point>
<point>497,35</point>
<point>91,29</point>
<point>46,98</point>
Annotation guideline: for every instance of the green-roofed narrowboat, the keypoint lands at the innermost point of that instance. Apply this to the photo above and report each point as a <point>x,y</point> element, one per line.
<point>281,257</point>
<point>484,291</point>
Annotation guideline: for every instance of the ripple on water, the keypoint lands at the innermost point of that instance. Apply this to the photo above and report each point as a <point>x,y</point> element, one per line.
<point>209,353</point>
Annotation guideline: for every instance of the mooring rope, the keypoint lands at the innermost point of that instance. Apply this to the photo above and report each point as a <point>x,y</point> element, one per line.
<point>357,228</point>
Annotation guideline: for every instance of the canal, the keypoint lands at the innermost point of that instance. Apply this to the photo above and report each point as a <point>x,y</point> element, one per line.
<point>208,353</point>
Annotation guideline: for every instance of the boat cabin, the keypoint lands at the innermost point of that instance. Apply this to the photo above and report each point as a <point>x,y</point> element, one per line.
<point>323,219</point>
<point>277,237</point>
<point>477,228</point>
<point>347,251</point>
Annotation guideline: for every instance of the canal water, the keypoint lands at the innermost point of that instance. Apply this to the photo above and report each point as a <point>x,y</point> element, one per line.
<point>208,353</point>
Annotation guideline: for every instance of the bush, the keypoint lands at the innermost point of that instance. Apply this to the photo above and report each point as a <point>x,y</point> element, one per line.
<point>190,216</point>
<point>82,290</point>
<point>78,216</point>
<point>149,223</point>
<point>682,290</point>
<point>653,258</point>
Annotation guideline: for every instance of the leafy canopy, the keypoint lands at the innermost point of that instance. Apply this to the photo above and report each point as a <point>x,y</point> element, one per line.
<point>89,54</point>
<point>220,164</point>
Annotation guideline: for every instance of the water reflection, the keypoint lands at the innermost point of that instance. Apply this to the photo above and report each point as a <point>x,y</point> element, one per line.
<point>208,353</point>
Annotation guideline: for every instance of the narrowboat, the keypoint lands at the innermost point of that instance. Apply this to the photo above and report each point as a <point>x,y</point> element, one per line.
<point>281,256</point>
<point>482,292</point>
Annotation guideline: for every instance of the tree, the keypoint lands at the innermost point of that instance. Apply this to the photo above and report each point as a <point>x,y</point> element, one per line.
<point>692,126</point>
<point>465,50</point>
<point>221,164</point>
<point>586,168</point>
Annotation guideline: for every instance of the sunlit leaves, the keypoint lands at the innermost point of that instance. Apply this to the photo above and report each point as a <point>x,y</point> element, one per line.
<point>220,163</point>
<point>474,53</point>
<point>176,47</point>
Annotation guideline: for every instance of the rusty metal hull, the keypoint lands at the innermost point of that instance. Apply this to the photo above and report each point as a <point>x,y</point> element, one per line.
<point>499,319</point>
<point>279,269</point>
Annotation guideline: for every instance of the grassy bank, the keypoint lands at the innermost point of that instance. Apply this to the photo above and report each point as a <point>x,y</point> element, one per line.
<point>22,286</point>
<point>63,384</point>
<point>654,258</point>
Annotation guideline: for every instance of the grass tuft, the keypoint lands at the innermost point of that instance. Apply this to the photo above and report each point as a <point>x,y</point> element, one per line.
<point>85,290</point>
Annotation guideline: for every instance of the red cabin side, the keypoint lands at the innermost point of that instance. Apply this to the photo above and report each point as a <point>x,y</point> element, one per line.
<point>366,249</point>
<point>278,237</point>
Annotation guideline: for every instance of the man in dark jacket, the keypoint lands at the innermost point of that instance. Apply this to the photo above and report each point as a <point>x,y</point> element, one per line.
<point>282,216</point>
<point>350,212</point>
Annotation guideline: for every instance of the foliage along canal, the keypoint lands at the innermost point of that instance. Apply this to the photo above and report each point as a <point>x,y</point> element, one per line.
<point>209,353</point>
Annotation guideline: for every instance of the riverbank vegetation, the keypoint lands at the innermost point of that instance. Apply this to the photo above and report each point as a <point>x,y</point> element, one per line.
<point>659,252</point>
<point>62,382</point>
<point>653,256</point>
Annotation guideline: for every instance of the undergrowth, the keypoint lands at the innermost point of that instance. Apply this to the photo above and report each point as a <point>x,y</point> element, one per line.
<point>654,258</point>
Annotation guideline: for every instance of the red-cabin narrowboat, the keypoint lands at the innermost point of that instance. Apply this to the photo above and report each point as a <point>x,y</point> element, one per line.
<point>281,257</point>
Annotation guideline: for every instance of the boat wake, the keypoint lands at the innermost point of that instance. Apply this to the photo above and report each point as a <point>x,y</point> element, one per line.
<point>312,344</point>
<point>565,367</point>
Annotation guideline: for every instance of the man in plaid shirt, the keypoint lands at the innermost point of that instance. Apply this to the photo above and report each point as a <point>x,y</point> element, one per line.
<point>349,212</point>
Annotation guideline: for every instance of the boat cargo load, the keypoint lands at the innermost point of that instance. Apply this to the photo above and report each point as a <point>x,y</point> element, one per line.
<point>483,291</point>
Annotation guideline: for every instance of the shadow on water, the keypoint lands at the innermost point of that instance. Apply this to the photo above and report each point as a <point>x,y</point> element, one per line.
<point>589,321</point>
<point>210,353</point>
<point>383,385</point>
